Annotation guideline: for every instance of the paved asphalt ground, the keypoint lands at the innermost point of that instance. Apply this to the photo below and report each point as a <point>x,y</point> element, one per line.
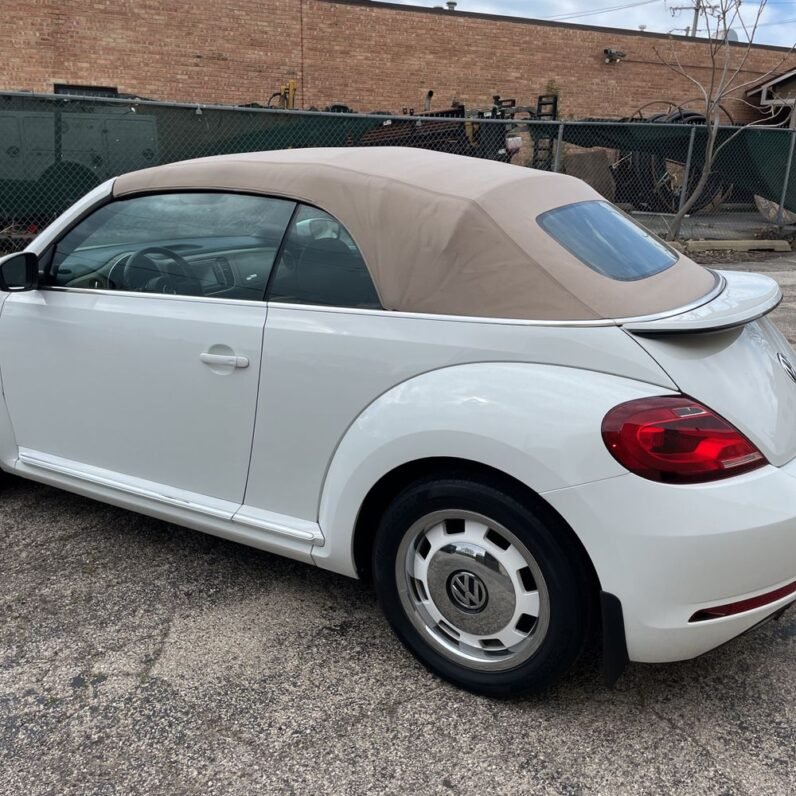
<point>141,658</point>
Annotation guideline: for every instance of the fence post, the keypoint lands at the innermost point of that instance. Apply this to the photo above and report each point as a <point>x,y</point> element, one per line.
<point>559,141</point>
<point>781,211</point>
<point>687,170</point>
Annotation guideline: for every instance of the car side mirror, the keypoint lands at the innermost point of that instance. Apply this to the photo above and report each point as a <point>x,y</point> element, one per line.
<point>19,272</point>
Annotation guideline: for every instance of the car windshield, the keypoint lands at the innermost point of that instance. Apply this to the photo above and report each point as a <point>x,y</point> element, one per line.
<point>606,240</point>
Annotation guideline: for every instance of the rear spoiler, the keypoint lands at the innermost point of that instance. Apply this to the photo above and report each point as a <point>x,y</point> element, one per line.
<point>742,297</point>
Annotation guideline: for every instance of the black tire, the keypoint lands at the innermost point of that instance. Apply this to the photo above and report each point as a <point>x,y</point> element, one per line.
<point>566,577</point>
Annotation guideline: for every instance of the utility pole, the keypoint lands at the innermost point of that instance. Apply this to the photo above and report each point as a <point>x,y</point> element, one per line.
<point>697,9</point>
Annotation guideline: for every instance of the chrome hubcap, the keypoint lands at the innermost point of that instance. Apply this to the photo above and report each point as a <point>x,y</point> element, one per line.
<point>473,589</point>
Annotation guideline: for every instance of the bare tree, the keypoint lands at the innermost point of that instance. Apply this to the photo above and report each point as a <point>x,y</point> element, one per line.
<point>726,80</point>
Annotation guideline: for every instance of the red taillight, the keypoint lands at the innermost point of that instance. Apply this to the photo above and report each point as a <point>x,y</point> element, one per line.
<point>677,440</point>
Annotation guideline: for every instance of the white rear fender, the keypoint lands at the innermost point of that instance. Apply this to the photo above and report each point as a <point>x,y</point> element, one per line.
<point>524,420</point>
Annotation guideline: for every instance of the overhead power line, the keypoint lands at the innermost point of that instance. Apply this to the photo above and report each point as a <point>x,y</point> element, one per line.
<point>776,22</point>
<point>605,10</point>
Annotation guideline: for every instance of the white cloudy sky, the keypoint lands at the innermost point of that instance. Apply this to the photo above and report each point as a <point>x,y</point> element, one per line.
<point>777,22</point>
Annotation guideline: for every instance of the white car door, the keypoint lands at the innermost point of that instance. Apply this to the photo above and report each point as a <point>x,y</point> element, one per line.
<point>137,365</point>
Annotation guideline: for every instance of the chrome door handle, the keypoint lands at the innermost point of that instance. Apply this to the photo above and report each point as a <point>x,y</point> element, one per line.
<point>224,360</point>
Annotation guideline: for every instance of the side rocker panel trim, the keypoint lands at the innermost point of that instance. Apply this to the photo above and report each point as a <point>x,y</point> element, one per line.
<point>197,505</point>
<point>262,540</point>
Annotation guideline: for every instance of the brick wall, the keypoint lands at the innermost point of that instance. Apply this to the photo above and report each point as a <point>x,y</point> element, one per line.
<point>369,56</point>
<point>223,51</point>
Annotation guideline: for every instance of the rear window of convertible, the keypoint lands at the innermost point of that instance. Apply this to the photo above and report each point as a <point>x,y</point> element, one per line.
<point>606,240</point>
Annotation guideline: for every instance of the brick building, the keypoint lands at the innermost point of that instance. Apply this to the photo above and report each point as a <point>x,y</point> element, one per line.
<point>370,56</point>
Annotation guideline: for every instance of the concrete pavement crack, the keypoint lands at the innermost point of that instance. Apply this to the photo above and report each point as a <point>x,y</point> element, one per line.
<point>709,753</point>
<point>151,661</point>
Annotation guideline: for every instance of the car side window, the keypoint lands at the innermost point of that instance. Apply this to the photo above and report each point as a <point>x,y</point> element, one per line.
<point>321,264</point>
<point>217,245</point>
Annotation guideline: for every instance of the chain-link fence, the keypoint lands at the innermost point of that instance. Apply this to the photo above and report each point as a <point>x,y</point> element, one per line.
<point>53,149</point>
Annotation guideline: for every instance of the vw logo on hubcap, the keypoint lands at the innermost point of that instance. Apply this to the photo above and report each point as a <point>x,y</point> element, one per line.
<point>787,366</point>
<point>467,591</point>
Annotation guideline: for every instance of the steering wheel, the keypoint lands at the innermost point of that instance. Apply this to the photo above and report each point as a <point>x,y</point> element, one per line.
<point>289,261</point>
<point>143,274</point>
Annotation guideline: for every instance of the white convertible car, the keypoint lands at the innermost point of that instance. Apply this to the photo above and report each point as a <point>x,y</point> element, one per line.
<point>480,385</point>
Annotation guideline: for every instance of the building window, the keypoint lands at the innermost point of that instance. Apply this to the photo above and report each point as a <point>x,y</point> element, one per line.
<point>85,91</point>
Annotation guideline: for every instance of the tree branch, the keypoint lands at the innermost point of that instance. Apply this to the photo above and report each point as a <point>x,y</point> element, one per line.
<point>771,72</point>
<point>680,71</point>
<point>748,48</point>
<point>724,83</point>
<point>766,121</point>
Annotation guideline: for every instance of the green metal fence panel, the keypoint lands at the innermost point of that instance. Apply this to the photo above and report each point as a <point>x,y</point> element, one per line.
<point>53,149</point>
<point>752,158</point>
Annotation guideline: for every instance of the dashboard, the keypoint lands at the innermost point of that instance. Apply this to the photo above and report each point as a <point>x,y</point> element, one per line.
<point>229,268</point>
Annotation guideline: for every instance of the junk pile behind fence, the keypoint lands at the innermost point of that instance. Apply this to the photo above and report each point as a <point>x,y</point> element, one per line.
<point>53,149</point>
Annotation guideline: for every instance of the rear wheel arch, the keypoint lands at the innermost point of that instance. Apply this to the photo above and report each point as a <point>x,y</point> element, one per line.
<point>391,484</point>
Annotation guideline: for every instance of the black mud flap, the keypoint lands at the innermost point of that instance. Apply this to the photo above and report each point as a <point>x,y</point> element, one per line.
<point>615,657</point>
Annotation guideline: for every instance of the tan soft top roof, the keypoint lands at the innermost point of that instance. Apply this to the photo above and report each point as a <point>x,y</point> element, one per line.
<point>443,233</point>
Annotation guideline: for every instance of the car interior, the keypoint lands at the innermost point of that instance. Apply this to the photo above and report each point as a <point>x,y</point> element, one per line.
<point>232,268</point>
<point>319,263</point>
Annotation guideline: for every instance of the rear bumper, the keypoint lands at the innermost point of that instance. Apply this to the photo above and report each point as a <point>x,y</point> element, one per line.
<point>668,552</point>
